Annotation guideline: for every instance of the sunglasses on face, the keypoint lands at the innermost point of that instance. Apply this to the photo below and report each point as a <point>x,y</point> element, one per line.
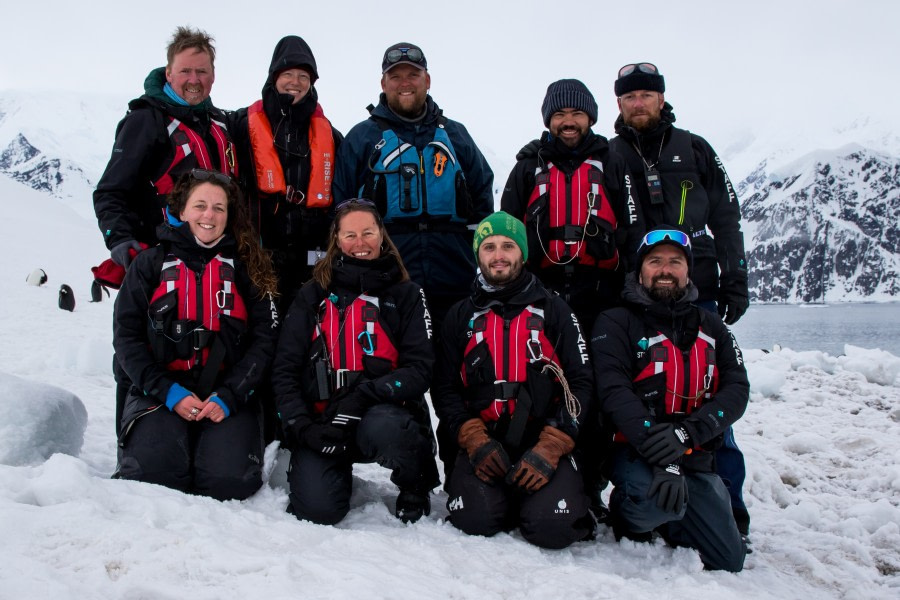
<point>662,235</point>
<point>204,175</point>
<point>644,67</point>
<point>412,54</point>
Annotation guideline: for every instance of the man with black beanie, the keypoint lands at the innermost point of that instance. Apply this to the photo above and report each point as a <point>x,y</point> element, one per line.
<point>679,179</point>
<point>567,189</point>
<point>671,381</point>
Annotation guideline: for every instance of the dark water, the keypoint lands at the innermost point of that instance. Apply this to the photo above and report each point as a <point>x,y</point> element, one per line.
<point>825,327</point>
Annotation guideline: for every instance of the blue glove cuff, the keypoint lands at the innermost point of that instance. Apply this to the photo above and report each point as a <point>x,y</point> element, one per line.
<point>176,394</point>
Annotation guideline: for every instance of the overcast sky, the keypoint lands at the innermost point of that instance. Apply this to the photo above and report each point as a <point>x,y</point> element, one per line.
<point>727,65</point>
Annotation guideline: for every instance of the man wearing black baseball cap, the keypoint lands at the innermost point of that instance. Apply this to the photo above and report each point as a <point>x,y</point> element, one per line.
<point>429,180</point>
<point>679,179</point>
<point>671,381</point>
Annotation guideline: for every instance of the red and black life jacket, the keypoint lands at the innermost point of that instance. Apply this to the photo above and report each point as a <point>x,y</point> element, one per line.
<point>188,143</point>
<point>570,218</point>
<point>188,309</point>
<point>691,376</point>
<point>501,363</point>
<point>269,173</point>
<point>353,338</point>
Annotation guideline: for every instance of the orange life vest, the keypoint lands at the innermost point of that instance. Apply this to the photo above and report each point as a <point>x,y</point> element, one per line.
<point>270,175</point>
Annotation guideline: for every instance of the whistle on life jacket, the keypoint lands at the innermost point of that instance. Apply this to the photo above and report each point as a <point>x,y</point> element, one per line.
<point>440,160</point>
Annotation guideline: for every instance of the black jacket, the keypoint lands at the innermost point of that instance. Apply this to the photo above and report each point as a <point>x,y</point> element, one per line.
<point>448,394</point>
<point>289,230</point>
<point>404,315</point>
<point>587,290</point>
<point>248,354</point>
<point>441,262</point>
<point>126,203</point>
<point>618,358</point>
<point>711,202</point>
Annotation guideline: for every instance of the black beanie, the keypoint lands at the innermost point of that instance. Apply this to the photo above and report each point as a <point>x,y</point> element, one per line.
<point>568,93</point>
<point>638,80</point>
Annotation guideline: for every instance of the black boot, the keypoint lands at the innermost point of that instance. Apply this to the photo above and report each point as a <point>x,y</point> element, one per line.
<point>412,506</point>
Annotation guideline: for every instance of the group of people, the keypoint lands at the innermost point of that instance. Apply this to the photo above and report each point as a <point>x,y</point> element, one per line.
<point>283,281</point>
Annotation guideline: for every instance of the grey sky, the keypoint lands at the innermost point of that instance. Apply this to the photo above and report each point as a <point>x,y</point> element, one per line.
<point>726,65</point>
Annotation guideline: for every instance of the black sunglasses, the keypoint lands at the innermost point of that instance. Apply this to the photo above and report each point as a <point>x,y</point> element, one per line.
<point>351,202</point>
<point>412,54</point>
<point>205,175</point>
<point>643,67</point>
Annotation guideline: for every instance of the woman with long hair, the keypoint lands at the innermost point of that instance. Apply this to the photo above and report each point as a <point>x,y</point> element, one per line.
<point>195,330</point>
<point>354,360</point>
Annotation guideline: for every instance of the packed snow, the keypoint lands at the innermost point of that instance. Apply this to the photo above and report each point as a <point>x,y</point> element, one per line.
<point>821,438</point>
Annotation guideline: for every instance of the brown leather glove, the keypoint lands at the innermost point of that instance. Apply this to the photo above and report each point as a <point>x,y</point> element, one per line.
<point>486,454</point>
<point>537,465</point>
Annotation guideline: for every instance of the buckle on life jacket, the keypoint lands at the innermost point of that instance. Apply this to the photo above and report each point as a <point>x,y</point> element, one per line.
<point>345,377</point>
<point>504,390</point>
<point>201,338</point>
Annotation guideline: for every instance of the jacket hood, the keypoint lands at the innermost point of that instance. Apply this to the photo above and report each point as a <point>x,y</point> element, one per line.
<point>525,290</point>
<point>291,52</point>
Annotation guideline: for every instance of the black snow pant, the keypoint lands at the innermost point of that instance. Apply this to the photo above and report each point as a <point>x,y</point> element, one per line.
<point>705,523</point>
<point>321,485</point>
<point>553,517</point>
<point>221,460</point>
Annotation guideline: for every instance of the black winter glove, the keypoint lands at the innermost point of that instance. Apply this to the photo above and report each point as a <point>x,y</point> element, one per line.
<point>326,438</point>
<point>529,150</point>
<point>121,252</point>
<point>350,411</point>
<point>733,299</point>
<point>665,444</point>
<point>670,488</point>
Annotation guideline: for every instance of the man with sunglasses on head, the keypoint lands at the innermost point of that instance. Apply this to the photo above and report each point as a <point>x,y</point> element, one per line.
<point>170,130</point>
<point>426,176</point>
<point>678,178</point>
<point>671,380</point>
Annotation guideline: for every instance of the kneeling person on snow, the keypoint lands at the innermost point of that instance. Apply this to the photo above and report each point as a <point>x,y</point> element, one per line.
<point>511,381</point>
<point>671,379</point>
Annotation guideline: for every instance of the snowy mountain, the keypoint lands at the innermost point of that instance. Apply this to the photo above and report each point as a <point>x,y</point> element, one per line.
<point>821,210</point>
<point>824,227</point>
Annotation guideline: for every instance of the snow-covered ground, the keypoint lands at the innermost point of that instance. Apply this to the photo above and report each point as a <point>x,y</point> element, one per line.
<point>821,437</point>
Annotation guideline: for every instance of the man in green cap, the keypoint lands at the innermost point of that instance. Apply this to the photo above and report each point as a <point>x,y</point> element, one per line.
<point>511,382</point>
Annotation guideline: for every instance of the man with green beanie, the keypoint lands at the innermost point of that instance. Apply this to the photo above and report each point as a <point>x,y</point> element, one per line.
<point>511,383</point>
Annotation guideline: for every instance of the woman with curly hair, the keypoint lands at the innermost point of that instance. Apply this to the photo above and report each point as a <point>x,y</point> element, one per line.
<point>353,363</point>
<point>195,330</point>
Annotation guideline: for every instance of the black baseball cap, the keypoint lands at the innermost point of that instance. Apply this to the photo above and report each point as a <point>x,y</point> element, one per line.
<point>403,53</point>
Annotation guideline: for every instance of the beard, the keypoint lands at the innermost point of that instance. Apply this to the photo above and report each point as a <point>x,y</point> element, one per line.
<point>506,278</point>
<point>649,124</point>
<point>665,293</point>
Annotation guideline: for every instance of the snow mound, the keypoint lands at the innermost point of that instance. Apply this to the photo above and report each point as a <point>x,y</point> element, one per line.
<point>38,420</point>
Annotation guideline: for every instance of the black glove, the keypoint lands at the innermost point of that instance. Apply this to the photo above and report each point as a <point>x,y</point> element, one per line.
<point>120,252</point>
<point>529,150</point>
<point>733,300</point>
<point>665,443</point>
<point>669,487</point>
<point>350,410</point>
<point>326,438</point>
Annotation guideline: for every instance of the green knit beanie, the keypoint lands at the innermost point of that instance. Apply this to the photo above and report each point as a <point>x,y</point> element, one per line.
<point>501,223</point>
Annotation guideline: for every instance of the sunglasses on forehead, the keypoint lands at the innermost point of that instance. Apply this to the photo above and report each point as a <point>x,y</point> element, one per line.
<point>205,175</point>
<point>663,235</point>
<point>643,67</point>
<point>412,54</point>
<point>352,202</point>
